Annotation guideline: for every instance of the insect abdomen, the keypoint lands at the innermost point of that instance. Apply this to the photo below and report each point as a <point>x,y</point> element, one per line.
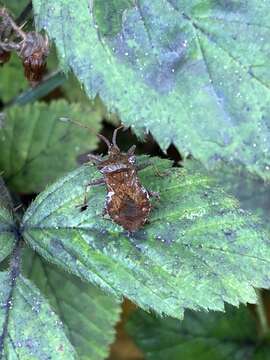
<point>129,207</point>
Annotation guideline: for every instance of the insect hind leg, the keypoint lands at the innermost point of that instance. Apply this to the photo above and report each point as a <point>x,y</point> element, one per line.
<point>96,182</point>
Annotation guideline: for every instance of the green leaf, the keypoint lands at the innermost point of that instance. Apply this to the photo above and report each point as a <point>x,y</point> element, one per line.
<point>14,6</point>
<point>194,73</point>
<point>36,148</point>
<point>75,93</point>
<point>252,192</point>
<point>7,224</point>
<point>88,315</point>
<point>12,79</point>
<point>200,336</point>
<point>199,249</point>
<point>109,15</point>
<point>250,189</point>
<point>29,329</point>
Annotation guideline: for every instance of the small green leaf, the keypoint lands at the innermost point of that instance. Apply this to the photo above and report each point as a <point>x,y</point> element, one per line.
<point>15,6</point>
<point>193,73</point>
<point>12,79</point>
<point>7,225</point>
<point>36,147</point>
<point>88,315</point>
<point>29,329</point>
<point>200,336</point>
<point>194,252</point>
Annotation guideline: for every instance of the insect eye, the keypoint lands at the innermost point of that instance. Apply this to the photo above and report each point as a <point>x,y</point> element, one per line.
<point>132,159</point>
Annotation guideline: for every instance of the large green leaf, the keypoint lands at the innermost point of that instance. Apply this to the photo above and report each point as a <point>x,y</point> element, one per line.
<point>199,336</point>
<point>88,315</point>
<point>74,93</point>
<point>198,250</point>
<point>29,329</point>
<point>36,148</point>
<point>7,224</point>
<point>195,73</point>
<point>252,192</point>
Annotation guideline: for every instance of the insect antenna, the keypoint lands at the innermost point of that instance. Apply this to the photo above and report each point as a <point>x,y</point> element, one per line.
<point>115,135</point>
<point>102,137</point>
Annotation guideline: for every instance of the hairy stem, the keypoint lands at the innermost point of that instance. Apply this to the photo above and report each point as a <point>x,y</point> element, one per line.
<point>261,313</point>
<point>5,15</point>
<point>24,14</point>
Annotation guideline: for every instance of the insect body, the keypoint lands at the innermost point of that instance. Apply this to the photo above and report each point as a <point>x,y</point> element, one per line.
<point>34,51</point>
<point>33,48</point>
<point>127,201</point>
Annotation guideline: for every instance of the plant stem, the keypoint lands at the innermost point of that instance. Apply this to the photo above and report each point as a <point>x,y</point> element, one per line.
<point>48,84</point>
<point>24,14</point>
<point>262,316</point>
<point>5,15</point>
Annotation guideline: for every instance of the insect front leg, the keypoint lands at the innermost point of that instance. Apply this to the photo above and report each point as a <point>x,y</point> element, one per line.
<point>154,194</point>
<point>104,211</point>
<point>96,182</point>
<point>95,159</point>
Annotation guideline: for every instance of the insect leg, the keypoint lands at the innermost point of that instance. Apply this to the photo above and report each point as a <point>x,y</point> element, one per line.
<point>156,195</point>
<point>131,150</point>
<point>115,135</point>
<point>104,212</point>
<point>94,158</point>
<point>100,181</point>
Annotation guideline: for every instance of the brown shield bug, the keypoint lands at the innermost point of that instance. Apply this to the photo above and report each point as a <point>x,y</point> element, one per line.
<point>34,51</point>
<point>127,201</point>
<point>33,48</point>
